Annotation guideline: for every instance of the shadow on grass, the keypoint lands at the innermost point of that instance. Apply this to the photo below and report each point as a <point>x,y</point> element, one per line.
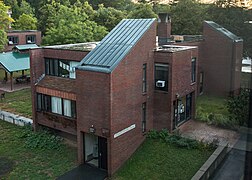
<point>6,166</point>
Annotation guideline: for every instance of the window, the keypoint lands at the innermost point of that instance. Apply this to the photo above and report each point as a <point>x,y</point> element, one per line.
<point>201,79</point>
<point>193,72</point>
<point>30,39</point>
<point>144,78</point>
<point>56,105</point>
<point>61,68</point>
<point>43,102</point>
<point>144,117</point>
<point>161,77</point>
<point>13,40</point>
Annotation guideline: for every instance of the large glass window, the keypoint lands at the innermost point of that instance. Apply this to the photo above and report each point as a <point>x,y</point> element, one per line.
<point>161,77</point>
<point>61,68</point>
<point>193,72</point>
<point>144,79</point>
<point>13,40</point>
<point>144,117</point>
<point>56,105</point>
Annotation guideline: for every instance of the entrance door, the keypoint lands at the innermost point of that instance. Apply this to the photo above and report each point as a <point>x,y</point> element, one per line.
<point>102,150</point>
<point>95,150</point>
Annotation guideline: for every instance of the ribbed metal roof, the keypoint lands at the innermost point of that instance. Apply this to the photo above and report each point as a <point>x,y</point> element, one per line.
<point>223,31</point>
<point>25,47</point>
<point>116,45</point>
<point>13,61</point>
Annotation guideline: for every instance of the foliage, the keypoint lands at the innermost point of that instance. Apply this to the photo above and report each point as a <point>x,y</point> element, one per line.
<point>179,141</point>
<point>233,19</point>
<point>142,11</point>
<point>108,17</point>
<point>13,4</point>
<point>5,22</point>
<point>157,159</point>
<point>33,163</point>
<point>71,25</point>
<point>25,8</point>
<point>187,17</point>
<point>40,140</point>
<point>238,107</point>
<point>25,22</point>
<point>117,4</point>
<point>214,111</point>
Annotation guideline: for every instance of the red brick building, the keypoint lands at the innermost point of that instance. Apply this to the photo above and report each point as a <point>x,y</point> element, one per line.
<point>108,96</point>
<point>22,37</point>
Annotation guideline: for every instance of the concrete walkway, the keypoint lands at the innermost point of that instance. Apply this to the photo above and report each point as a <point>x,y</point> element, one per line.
<point>203,132</point>
<point>233,166</point>
<point>84,172</point>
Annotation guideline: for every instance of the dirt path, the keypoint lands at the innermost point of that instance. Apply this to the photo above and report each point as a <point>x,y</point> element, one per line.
<point>202,131</point>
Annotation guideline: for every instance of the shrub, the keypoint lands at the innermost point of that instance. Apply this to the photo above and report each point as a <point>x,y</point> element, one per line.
<point>238,107</point>
<point>179,141</point>
<point>40,140</point>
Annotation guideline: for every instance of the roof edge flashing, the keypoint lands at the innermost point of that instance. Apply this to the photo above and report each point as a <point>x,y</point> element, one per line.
<point>94,69</point>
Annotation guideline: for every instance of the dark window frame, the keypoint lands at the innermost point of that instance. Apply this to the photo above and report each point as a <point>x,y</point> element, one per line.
<point>161,76</point>
<point>44,104</point>
<point>31,38</point>
<point>193,70</point>
<point>144,115</point>
<point>144,86</point>
<point>13,39</point>
<point>53,67</point>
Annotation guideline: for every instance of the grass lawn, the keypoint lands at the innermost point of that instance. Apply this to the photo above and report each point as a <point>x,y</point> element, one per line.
<point>18,102</point>
<point>156,159</point>
<point>212,104</point>
<point>32,163</point>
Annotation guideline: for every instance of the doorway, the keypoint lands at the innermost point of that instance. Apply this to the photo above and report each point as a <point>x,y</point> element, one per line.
<point>95,150</point>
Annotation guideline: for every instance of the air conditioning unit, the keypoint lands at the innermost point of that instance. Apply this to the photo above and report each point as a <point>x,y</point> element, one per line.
<point>160,83</point>
<point>29,42</point>
<point>10,42</point>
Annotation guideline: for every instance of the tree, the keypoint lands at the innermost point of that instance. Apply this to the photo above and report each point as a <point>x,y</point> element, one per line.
<point>117,4</point>
<point>25,8</point>
<point>234,19</point>
<point>72,26</point>
<point>142,11</point>
<point>13,4</point>
<point>5,22</point>
<point>187,17</point>
<point>238,107</point>
<point>108,17</point>
<point>25,22</point>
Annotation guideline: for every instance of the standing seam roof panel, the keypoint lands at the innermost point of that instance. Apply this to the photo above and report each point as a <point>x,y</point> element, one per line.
<point>116,45</point>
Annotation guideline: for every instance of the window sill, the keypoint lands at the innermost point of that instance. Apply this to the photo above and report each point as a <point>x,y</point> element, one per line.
<point>144,93</point>
<point>193,83</point>
<point>163,92</point>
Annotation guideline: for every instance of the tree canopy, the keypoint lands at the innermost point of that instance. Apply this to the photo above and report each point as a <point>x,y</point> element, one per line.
<point>25,22</point>
<point>5,22</point>
<point>71,25</point>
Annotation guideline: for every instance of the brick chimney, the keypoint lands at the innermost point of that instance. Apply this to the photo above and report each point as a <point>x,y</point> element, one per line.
<point>164,26</point>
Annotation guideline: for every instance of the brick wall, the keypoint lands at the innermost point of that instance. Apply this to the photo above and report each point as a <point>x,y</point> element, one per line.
<point>127,99</point>
<point>179,83</point>
<point>22,38</point>
<point>219,57</point>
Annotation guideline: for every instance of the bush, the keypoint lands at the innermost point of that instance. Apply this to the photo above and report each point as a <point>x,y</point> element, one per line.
<point>238,107</point>
<point>179,141</point>
<point>40,140</point>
